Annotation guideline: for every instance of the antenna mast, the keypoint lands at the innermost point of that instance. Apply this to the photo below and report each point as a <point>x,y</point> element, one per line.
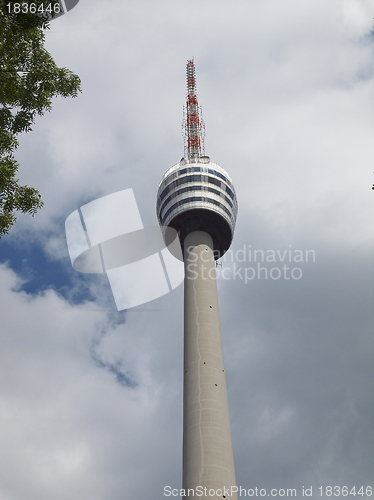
<point>193,125</point>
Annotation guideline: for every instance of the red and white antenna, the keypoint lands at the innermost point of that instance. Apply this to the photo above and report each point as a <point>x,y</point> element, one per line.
<point>193,125</point>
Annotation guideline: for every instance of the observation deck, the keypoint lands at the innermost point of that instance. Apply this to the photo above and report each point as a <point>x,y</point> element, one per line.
<point>198,194</point>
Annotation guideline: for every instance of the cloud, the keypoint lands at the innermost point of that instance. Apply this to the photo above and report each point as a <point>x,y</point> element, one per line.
<point>79,401</point>
<point>92,402</point>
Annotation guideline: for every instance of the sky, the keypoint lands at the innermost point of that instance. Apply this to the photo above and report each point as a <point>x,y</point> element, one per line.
<point>91,398</point>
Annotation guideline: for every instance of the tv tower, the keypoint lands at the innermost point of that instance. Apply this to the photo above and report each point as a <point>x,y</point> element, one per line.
<point>196,197</point>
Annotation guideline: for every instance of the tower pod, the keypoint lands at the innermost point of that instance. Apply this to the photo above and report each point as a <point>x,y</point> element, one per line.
<point>195,196</point>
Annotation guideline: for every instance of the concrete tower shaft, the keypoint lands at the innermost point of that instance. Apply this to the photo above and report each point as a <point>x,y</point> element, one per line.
<point>207,447</point>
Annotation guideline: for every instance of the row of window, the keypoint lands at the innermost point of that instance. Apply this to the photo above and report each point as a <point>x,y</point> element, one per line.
<point>192,199</point>
<point>189,170</point>
<point>195,188</point>
<point>195,178</point>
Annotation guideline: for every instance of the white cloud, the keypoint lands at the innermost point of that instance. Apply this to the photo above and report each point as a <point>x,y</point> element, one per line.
<point>68,425</point>
<point>286,90</point>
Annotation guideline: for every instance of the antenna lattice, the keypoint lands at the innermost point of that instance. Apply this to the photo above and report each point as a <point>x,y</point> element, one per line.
<point>193,124</point>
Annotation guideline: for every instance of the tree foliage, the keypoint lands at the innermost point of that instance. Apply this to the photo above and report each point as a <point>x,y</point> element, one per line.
<point>29,79</point>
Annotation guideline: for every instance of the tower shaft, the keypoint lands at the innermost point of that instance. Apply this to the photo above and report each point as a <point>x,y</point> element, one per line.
<point>207,445</point>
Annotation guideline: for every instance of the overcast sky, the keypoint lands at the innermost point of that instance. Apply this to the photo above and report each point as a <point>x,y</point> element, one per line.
<point>91,398</point>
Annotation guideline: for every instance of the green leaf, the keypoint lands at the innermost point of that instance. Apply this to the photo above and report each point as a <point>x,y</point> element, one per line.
<point>29,80</point>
